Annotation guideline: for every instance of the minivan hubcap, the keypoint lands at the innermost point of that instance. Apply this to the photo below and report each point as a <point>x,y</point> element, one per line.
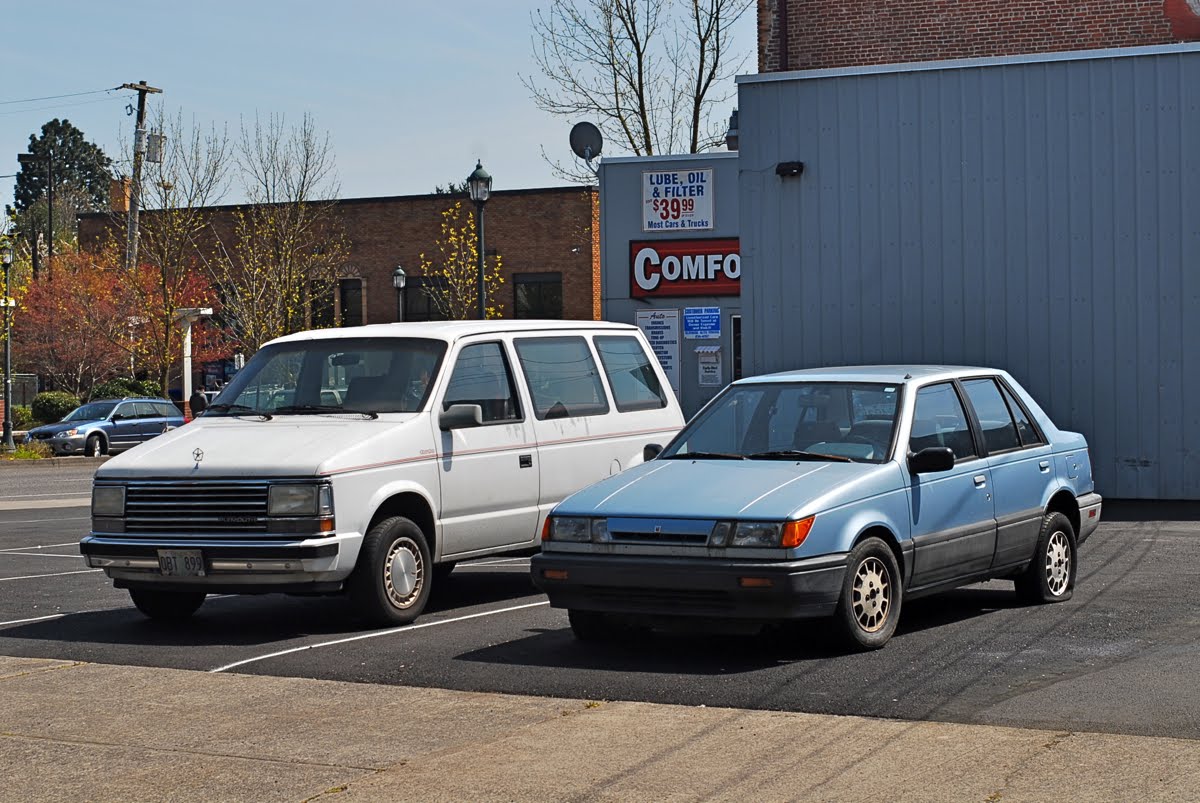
<point>403,573</point>
<point>1058,563</point>
<point>872,594</point>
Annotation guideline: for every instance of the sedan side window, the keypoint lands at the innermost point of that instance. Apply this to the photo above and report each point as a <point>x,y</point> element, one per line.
<point>146,410</point>
<point>125,411</point>
<point>939,420</point>
<point>999,431</point>
<point>1027,431</point>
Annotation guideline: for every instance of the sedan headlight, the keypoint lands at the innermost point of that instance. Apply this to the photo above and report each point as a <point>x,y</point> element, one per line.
<point>565,528</point>
<point>300,500</point>
<point>108,501</point>
<point>756,533</point>
<point>66,433</point>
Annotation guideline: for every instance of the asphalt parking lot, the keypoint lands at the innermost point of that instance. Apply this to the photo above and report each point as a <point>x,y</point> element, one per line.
<point>1118,658</point>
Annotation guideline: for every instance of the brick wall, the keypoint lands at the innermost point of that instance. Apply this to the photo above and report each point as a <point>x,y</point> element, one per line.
<point>840,33</point>
<point>536,230</point>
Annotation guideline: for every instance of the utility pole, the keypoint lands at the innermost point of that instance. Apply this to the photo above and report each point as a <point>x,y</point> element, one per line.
<point>139,150</point>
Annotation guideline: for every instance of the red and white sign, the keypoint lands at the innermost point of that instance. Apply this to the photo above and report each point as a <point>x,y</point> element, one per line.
<point>664,268</point>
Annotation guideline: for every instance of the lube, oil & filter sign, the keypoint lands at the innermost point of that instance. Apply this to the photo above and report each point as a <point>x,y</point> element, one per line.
<point>677,200</point>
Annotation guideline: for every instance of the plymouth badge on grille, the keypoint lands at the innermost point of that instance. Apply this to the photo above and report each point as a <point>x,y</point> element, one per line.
<point>198,455</point>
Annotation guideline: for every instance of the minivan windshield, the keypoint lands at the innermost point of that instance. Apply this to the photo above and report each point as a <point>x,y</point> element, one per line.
<point>353,375</point>
<point>820,421</point>
<point>93,411</point>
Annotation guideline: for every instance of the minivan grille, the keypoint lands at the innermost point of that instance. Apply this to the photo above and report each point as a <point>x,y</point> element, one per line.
<point>188,508</point>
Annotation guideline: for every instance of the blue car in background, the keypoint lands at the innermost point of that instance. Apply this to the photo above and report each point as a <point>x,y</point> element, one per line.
<point>104,427</point>
<point>835,492</point>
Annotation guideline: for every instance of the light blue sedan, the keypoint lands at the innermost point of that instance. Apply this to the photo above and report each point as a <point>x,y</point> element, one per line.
<point>829,492</point>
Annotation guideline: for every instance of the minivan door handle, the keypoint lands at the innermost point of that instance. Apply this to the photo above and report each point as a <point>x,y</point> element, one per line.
<point>525,460</point>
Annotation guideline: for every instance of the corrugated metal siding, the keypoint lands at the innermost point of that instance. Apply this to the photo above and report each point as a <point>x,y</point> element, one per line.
<point>1042,217</point>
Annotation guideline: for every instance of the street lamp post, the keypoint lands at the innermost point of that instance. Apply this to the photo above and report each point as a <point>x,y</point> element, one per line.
<point>480,185</point>
<point>7,444</point>
<point>399,279</point>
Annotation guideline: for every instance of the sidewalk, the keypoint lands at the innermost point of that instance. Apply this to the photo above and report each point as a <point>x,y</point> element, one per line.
<point>72,731</point>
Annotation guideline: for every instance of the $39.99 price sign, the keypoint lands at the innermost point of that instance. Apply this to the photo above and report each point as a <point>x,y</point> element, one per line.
<point>677,200</point>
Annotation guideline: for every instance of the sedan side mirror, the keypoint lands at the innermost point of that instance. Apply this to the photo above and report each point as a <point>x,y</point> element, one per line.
<point>116,417</point>
<point>460,416</point>
<point>651,451</point>
<point>934,458</point>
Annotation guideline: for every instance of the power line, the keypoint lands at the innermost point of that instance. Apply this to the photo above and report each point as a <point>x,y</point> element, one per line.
<point>56,97</point>
<point>57,106</point>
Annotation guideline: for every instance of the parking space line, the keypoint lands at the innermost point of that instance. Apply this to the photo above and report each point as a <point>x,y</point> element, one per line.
<point>35,504</point>
<point>388,632</point>
<point>34,619</point>
<point>56,574</point>
<point>6,553</point>
<point>501,562</point>
<point>38,546</point>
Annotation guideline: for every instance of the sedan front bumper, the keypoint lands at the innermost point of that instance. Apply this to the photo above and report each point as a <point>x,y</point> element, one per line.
<point>702,587</point>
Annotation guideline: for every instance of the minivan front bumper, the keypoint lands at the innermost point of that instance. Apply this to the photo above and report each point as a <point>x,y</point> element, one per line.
<point>702,587</point>
<point>230,566</point>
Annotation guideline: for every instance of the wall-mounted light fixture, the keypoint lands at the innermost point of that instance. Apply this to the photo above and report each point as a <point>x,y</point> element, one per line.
<point>789,169</point>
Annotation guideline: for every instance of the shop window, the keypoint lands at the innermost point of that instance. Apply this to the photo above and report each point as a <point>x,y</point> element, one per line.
<point>537,295</point>
<point>351,297</point>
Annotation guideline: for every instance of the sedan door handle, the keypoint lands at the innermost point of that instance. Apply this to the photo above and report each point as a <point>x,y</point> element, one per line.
<point>980,481</point>
<point>1044,466</point>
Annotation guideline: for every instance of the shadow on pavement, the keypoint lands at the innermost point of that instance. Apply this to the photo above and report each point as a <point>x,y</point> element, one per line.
<point>1139,510</point>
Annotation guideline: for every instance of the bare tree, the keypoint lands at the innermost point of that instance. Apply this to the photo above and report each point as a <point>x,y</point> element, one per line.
<point>645,71</point>
<point>453,270</point>
<point>286,247</point>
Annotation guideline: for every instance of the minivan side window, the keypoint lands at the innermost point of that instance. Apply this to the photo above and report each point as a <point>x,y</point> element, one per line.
<point>631,376</point>
<point>481,376</point>
<point>563,379</point>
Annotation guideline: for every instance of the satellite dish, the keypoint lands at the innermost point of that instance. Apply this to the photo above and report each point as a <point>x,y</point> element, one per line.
<point>586,141</point>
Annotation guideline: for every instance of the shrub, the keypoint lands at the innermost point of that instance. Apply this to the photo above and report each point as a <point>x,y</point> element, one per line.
<point>30,451</point>
<point>22,417</point>
<point>121,387</point>
<point>52,405</point>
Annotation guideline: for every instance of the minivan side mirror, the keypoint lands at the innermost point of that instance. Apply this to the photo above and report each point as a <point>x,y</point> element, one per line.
<point>651,451</point>
<point>460,416</point>
<point>934,458</point>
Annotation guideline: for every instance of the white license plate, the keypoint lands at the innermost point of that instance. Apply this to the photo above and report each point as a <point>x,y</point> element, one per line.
<point>181,562</point>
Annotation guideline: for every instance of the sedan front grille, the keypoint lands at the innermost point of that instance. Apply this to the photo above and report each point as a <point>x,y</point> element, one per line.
<point>196,508</point>
<point>687,539</point>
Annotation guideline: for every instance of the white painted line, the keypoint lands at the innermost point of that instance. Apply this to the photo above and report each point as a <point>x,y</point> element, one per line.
<point>45,521</point>
<point>8,552</point>
<point>376,634</point>
<point>56,574</point>
<point>34,619</point>
<point>36,546</point>
<point>500,562</point>
<point>19,497</point>
<point>35,504</point>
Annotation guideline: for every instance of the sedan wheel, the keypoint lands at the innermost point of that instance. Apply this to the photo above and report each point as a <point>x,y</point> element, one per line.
<point>1051,573</point>
<point>872,595</point>
<point>869,607</point>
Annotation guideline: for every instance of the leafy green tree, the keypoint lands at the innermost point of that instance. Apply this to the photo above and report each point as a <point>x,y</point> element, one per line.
<point>452,188</point>
<point>79,165</point>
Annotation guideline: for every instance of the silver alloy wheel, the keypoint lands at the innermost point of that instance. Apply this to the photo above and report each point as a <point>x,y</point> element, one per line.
<point>94,449</point>
<point>403,573</point>
<point>872,595</point>
<point>1058,563</point>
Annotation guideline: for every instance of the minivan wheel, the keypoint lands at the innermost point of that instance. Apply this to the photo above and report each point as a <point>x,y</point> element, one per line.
<point>166,606</point>
<point>94,446</point>
<point>391,581</point>
<point>1051,574</point>
<point>869,607</point>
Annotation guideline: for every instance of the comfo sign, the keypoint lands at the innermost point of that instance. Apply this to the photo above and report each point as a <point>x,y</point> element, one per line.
<point>708,267</point>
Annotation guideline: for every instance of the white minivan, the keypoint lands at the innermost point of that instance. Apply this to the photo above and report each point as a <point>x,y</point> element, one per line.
<point>370,460</point>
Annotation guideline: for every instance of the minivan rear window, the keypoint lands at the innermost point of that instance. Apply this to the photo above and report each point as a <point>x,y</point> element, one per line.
<point>631,376</point>
<point>562,376</point>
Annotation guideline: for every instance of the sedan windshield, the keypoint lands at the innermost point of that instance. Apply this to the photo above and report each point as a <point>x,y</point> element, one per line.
<point>91,412</point>
<point>350,375</point>
<point>810,421</point>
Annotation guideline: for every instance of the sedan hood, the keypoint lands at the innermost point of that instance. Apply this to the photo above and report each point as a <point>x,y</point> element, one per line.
<point>291,446</point>
<point>730,489</point>
<point>62,426</point>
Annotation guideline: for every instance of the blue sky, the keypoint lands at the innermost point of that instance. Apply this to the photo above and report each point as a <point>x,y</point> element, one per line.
<point>412,93</point>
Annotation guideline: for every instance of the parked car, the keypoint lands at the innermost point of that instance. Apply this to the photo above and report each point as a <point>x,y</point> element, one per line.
<point>108,426</point>
<point>370,460</point>
<point>836,492</point>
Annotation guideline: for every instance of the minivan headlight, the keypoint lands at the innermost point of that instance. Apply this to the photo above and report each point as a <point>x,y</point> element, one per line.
<point>300,500</point>
<point>756,533</point>
<point>108,501</point>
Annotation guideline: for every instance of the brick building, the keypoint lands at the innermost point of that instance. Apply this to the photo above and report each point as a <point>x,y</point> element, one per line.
<point>548,239</point>
<point>843,33</point>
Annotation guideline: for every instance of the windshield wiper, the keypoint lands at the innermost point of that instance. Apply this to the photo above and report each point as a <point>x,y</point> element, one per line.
<point>706,456</point>
<point>237,409</point>
<point>798,454</point>
<point>300,409</point>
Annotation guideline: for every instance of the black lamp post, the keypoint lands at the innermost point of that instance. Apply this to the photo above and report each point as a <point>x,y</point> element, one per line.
<point>480,185</point>
<point>7,444</point>
<point>398,281</point>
